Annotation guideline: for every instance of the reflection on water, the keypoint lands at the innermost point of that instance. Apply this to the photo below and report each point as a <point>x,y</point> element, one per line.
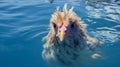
<point>23,23</point>
<point>109,13</point>
<point>109,10</point>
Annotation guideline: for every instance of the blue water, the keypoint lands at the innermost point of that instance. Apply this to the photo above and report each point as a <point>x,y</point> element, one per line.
<point>23,24</point>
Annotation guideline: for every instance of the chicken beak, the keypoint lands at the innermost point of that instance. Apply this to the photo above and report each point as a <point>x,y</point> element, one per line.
<point>62,32</point>
<point>62,35</point>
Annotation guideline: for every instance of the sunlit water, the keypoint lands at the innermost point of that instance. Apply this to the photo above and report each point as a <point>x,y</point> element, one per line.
<point>23,23</point>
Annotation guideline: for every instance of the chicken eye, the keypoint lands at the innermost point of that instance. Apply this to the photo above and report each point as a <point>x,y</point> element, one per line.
<point>72,25</point>
<point>54,25</point>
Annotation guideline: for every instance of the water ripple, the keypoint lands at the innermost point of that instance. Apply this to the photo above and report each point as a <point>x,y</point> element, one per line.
<point>106,36</point>
<point>104,9</point>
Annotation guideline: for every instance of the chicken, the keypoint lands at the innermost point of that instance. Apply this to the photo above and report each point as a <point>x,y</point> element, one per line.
<point>67,42</point>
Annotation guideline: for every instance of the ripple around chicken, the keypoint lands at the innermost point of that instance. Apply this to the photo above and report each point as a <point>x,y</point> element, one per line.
<point>107,36</point>
<point>107,32</point>
<point>10,31</point>
<point>30,31</point>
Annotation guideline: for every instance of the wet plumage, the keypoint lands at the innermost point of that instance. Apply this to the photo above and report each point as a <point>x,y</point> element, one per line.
<point>67,42</point>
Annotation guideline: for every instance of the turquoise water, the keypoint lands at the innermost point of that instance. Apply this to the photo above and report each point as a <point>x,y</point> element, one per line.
<point>23,24</point>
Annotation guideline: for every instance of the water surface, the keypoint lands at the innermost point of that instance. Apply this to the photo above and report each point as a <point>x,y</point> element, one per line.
<point>23,23</point>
